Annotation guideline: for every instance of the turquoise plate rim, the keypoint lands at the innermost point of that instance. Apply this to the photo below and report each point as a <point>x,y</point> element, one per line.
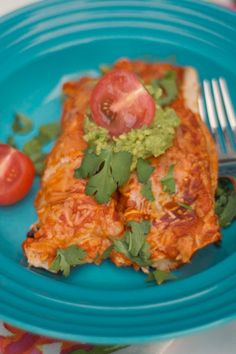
<point>40,3</point>
<point>23,297</point>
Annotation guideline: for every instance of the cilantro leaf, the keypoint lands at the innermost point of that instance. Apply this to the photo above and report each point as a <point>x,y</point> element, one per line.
<point>154,90</point>
<point>122,246</point>
<point>90,163</point>
<point>105,69</point>
<point>143,226</point>
<point>101,187</point>
<point>144,170</point>
<point>48,132</point>
<point>77,173</point>
<point>32,146</point>
<point>33,149</point>
<point>168,182</point>
<point>134,245</point>
<point>107,252</point>
<point>160,276</point>
<point>67,258</point>
<point>135,241</point>
<point>21,124</point>
<point>168,85</point>
<point>120,165</point>
<point>55,265</point>
<point>60,264</point>
<point>106,172</point>
<point>11,141</point>
<point>144,253</point>
<point>147,191</point>
<point>185,206</point>
<point>39,162</point>
<point>225,205</point>
<point>102,184</point>
<point>74,255</point>
<point>229,212</point>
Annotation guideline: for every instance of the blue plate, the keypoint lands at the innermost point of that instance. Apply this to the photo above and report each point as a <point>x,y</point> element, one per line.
<point>40,47</point>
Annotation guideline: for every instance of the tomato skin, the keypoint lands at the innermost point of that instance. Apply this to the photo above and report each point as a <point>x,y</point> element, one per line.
<point>119,102</point>
<point>16,175</point>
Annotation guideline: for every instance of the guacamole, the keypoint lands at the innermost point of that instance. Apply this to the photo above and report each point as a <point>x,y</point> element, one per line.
<point>141,143</point>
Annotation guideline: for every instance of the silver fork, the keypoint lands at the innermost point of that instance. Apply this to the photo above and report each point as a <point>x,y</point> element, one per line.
<point>216,110</point>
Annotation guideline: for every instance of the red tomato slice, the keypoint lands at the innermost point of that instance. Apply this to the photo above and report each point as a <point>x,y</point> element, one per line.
<point>119,102</point>
<point>16,175</point>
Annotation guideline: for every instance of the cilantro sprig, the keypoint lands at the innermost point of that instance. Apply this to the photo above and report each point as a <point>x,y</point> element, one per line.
<point>160,276</point>
<point>105,172</point>
<point>185,206</point>
<point>34,147</point>
<point>106,254</point>
<point>11,141</point>
<point>168,182</point>
<point>225,202</point>
<point>144,171</point>
<point>146,191</point>
<point>134,245</point>
<point>67,258</point>
<point>104,68</point>
<point>48,132</point>
<point>21,124</point>
<point>168,87</point>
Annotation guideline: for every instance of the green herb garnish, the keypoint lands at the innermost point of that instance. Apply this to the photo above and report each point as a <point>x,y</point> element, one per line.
<point>146,191</point>
<point>225,202</point>
<point>155,91</point>
<point>144,170</point>
<point>34,147</point>
<point>11,141</point>
<point>168,85</point>
<point>160,276</point>
<point>168,182</point>
<point>105,69</point>
<point>39,163</point>
<point>67,258</point>
<point>107,252</point>
<point>185,206</point>
<point>105,172</point>
<point>48,132</point>
<point>21,124</point>
<point>134,245</point>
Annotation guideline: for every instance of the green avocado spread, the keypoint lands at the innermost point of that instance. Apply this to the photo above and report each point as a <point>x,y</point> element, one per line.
<point>141,143</point>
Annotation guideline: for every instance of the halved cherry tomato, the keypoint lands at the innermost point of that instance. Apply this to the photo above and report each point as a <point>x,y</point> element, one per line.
<point>119,102</point>
<point>16,175</point>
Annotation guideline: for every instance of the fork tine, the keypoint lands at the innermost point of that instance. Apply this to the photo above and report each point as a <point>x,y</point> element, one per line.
<point>221,115</point>
<point>211,113</point>
<point>228,105</point>
<point>202,109</point>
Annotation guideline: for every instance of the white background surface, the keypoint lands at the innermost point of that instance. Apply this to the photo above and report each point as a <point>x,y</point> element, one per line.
<point>221,340</point>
